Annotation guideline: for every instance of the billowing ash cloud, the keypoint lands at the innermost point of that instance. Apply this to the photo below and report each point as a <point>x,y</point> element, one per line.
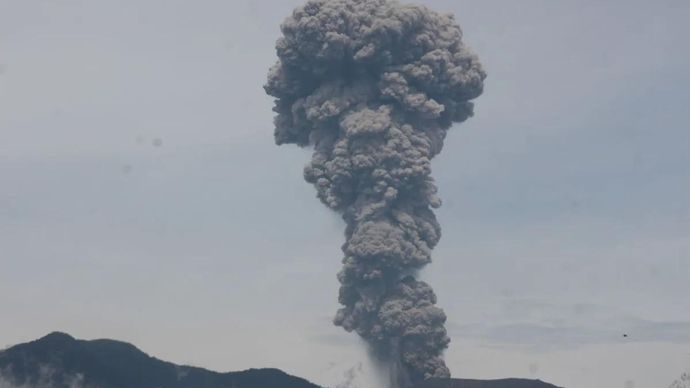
<point>373,86</point>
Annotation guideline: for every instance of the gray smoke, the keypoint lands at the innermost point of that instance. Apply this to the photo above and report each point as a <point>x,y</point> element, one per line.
<point>683,382</point>
<point>47,377</point>
<point>350,377</point>
<point>373,86</point>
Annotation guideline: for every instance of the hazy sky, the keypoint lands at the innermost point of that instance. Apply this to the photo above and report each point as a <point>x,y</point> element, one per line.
<point>142,197</point>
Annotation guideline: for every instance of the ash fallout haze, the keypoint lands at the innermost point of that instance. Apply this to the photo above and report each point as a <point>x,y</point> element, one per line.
<point>373,86</point>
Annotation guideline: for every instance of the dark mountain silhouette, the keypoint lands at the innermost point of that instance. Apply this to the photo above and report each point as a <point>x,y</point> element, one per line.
<point>60,361</point>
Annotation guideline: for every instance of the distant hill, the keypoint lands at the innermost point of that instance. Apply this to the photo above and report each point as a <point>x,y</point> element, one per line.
<point>60,361</point>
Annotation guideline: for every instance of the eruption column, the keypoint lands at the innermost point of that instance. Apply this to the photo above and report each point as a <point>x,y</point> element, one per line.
<point>373,86</point>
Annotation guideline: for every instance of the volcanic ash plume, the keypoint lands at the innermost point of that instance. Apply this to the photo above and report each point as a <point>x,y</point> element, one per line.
<point>374,85</point>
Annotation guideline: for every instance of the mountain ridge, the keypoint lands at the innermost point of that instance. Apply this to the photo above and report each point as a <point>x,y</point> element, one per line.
<point>106,363</point>
<point>59,360</point>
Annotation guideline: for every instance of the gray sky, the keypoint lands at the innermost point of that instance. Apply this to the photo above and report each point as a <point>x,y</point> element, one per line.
<point>143,199</point>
